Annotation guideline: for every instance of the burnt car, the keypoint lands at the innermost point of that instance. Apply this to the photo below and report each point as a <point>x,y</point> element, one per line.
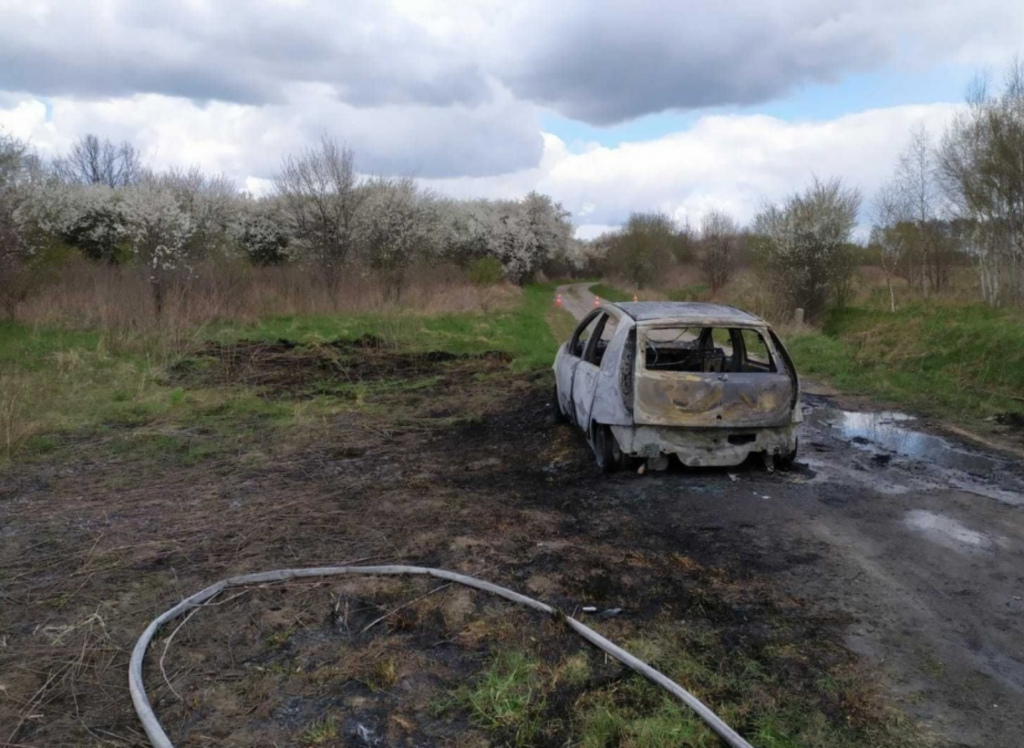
<point>710,384</point>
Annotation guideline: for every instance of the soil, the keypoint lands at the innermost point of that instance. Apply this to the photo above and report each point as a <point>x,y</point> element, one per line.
<point>284,369</point>
<point>850,558</point>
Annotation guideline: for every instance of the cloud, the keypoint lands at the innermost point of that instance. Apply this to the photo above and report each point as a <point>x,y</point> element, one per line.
<point>244,140</point>
<point>599,62</point>
<point>604,63</point>
<point>613,62</point>
<point>248,52</point>
<point>453,89</point>
<point>734,163</point>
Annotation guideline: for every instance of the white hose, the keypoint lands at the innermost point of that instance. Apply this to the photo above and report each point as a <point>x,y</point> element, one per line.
<point>158,738</point>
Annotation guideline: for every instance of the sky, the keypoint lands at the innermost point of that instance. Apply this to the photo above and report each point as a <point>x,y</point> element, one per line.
<point>609,107</point>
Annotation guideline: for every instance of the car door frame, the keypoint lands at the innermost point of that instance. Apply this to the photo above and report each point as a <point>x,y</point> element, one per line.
<point>565,372</point>
<point>587,375</point>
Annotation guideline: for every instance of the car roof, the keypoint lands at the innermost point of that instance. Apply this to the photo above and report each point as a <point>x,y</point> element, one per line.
<point>687,311</point>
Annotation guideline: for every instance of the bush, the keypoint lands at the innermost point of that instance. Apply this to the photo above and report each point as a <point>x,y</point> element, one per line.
<point>804,246</point>
<point>485,271</point>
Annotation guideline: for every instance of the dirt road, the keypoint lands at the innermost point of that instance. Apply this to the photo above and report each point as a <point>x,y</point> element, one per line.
<point>917,536</point>
<point>577,299</point>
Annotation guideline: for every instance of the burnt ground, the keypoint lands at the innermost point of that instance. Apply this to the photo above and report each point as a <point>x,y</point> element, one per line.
<point>895,577</point>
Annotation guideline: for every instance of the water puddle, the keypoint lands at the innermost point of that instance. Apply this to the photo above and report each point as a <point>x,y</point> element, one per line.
<point>946,531</point>
<point>934,462</point>
<point>889,432</point>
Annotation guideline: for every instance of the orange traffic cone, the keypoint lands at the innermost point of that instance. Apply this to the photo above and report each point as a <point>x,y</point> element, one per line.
<point>597,301</point>
<point>635,298</point>
<point>558,301</point>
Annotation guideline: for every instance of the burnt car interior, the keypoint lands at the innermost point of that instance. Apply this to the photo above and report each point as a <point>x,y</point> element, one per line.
<point>707,350</point>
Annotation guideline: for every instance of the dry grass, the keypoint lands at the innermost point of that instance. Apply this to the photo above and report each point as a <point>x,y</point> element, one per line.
<point>12,417</point>
<point>119,300</point>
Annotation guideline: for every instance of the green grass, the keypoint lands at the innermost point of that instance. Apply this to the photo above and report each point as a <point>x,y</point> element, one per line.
<point>610,293</point>
<point>509,698</point>
<point>519,699</point>
<point>965,361</point>
<point>523,331</point>
<point>695,292</point>
<point>57,382</point>
<point>320,732</point>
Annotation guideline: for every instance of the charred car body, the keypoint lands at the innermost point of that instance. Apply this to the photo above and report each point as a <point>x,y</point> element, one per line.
<point>707,383</point>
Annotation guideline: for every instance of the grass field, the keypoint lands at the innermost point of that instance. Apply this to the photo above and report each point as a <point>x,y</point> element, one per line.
<point>961,361</point>
<point>54,381</point>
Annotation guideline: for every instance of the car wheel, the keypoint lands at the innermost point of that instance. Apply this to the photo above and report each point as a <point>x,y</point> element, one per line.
<point>556,407</point>
<point>786,461</point>
<point>606,450</point>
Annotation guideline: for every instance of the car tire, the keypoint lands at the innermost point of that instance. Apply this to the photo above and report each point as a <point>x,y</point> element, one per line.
<point>786,461</point>
<point>606,449</point>
<point>556,407</point>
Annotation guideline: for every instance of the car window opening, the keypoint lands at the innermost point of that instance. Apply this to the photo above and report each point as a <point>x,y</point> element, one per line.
<point>604,333</point>
<point>708,350</point>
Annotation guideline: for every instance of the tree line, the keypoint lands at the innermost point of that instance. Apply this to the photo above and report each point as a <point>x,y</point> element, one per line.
<point>99,200</point>
<point>801,246</point>
<point>953,201</point>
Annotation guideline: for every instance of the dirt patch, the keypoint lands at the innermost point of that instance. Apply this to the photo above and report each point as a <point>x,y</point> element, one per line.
<point>284,369</point>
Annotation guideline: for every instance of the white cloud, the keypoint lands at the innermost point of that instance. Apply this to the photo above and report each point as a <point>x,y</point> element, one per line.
<point>244,140</point>
<point>735,163</point>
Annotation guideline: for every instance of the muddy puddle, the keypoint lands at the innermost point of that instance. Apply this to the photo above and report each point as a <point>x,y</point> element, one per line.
<point>892,437</point>
<point>949,532</point>
<point>891,432</point>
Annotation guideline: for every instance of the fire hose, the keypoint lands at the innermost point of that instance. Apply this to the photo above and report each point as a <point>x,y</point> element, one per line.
<point>158,737</point>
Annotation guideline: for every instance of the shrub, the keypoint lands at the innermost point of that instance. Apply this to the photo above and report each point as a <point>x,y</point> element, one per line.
<point>485,271</point>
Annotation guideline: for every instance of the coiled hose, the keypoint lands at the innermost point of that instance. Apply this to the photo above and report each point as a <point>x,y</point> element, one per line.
<point>158,738</point>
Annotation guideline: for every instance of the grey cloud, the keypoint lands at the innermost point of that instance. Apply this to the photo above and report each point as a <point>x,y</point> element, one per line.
<point>246,53</point>
<point>606,63</point>
<point>434,142</point>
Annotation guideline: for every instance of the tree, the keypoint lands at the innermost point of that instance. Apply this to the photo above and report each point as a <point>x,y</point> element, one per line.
<point>95,161</point>
<point>890,233</point>
<point>321,194</point>
<point>508,235</point>
<point>927,256</point>
<point>210,203</point>
<point>806,244</point>
<point>523,235</point>
<point>21,260</point>
<point>643,248</point>
<point>550,224</point>
<point>258,228</point>
<point>981,162</point>
<point>158,231</point>
<point>718,247</point>
<point>398,221</point>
